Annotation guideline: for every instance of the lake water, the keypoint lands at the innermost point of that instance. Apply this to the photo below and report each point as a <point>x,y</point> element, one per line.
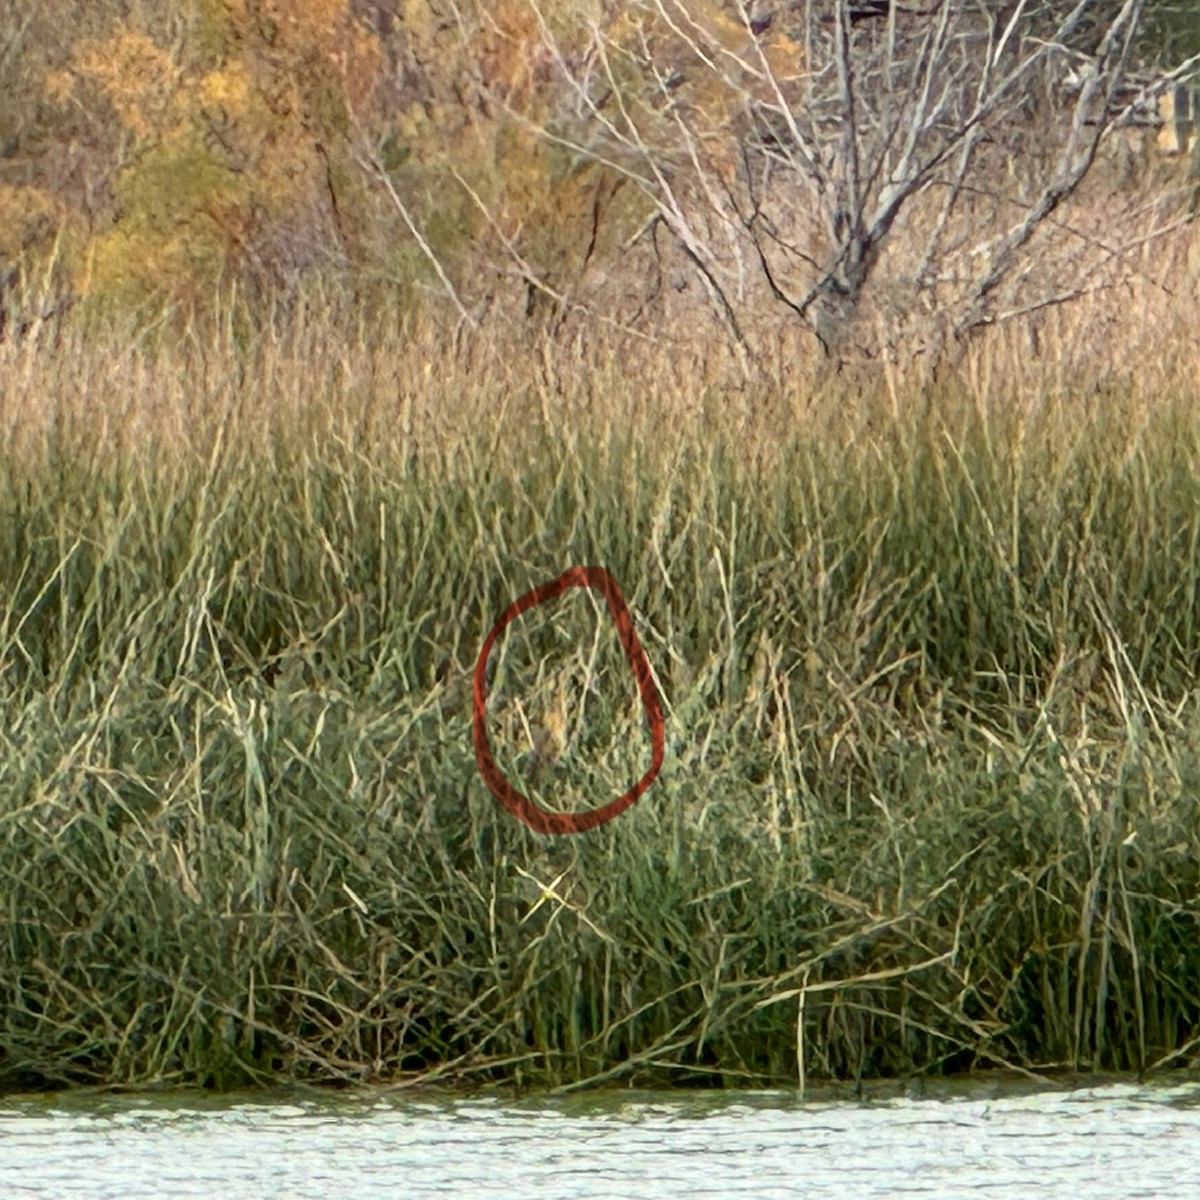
<point>1105,1140</point>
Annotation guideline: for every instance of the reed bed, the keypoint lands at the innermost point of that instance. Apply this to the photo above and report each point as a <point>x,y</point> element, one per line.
<point>927,653</point>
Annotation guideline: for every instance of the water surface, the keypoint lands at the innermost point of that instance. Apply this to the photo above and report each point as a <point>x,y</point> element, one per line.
<point>981,1140</point>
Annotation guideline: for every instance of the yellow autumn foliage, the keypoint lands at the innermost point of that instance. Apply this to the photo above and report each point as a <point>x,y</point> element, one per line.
<point>228,88</point>
<point>137,76</point>
<point>305,22</point>
<point>233,142</point>
<point>248,139</point>
<point>28,217</point>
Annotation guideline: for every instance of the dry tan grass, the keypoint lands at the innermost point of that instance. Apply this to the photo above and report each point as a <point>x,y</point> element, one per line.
<point>330,365</point>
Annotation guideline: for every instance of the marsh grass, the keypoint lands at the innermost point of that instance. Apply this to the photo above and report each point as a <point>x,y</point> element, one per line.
<point>927,653</point>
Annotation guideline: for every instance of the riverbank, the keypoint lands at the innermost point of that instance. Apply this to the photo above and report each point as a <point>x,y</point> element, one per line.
<point>927,653</point>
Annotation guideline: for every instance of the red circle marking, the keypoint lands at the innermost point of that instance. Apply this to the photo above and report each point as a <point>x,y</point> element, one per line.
<point>538,819</point>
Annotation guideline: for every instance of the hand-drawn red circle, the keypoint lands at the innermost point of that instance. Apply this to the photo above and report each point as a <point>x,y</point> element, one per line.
<point>538,819</point>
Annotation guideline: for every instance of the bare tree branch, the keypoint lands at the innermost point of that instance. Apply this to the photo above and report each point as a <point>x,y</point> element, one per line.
<point>796,149</point>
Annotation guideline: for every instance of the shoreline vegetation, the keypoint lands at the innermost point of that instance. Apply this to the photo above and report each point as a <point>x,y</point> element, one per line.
<point>927,655</point>
<point>328,330</point>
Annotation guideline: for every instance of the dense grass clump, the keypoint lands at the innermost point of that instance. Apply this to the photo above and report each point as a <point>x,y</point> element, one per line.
<point>928,661</point>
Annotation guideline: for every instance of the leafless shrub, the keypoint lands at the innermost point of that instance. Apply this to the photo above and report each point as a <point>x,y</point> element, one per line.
<point>891,174</point>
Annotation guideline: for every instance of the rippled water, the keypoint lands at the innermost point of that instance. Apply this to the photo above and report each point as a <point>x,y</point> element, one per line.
<point>1101,1141</point>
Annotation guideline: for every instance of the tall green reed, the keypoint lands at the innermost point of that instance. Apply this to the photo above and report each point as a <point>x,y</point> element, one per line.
<point>927,669</point>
